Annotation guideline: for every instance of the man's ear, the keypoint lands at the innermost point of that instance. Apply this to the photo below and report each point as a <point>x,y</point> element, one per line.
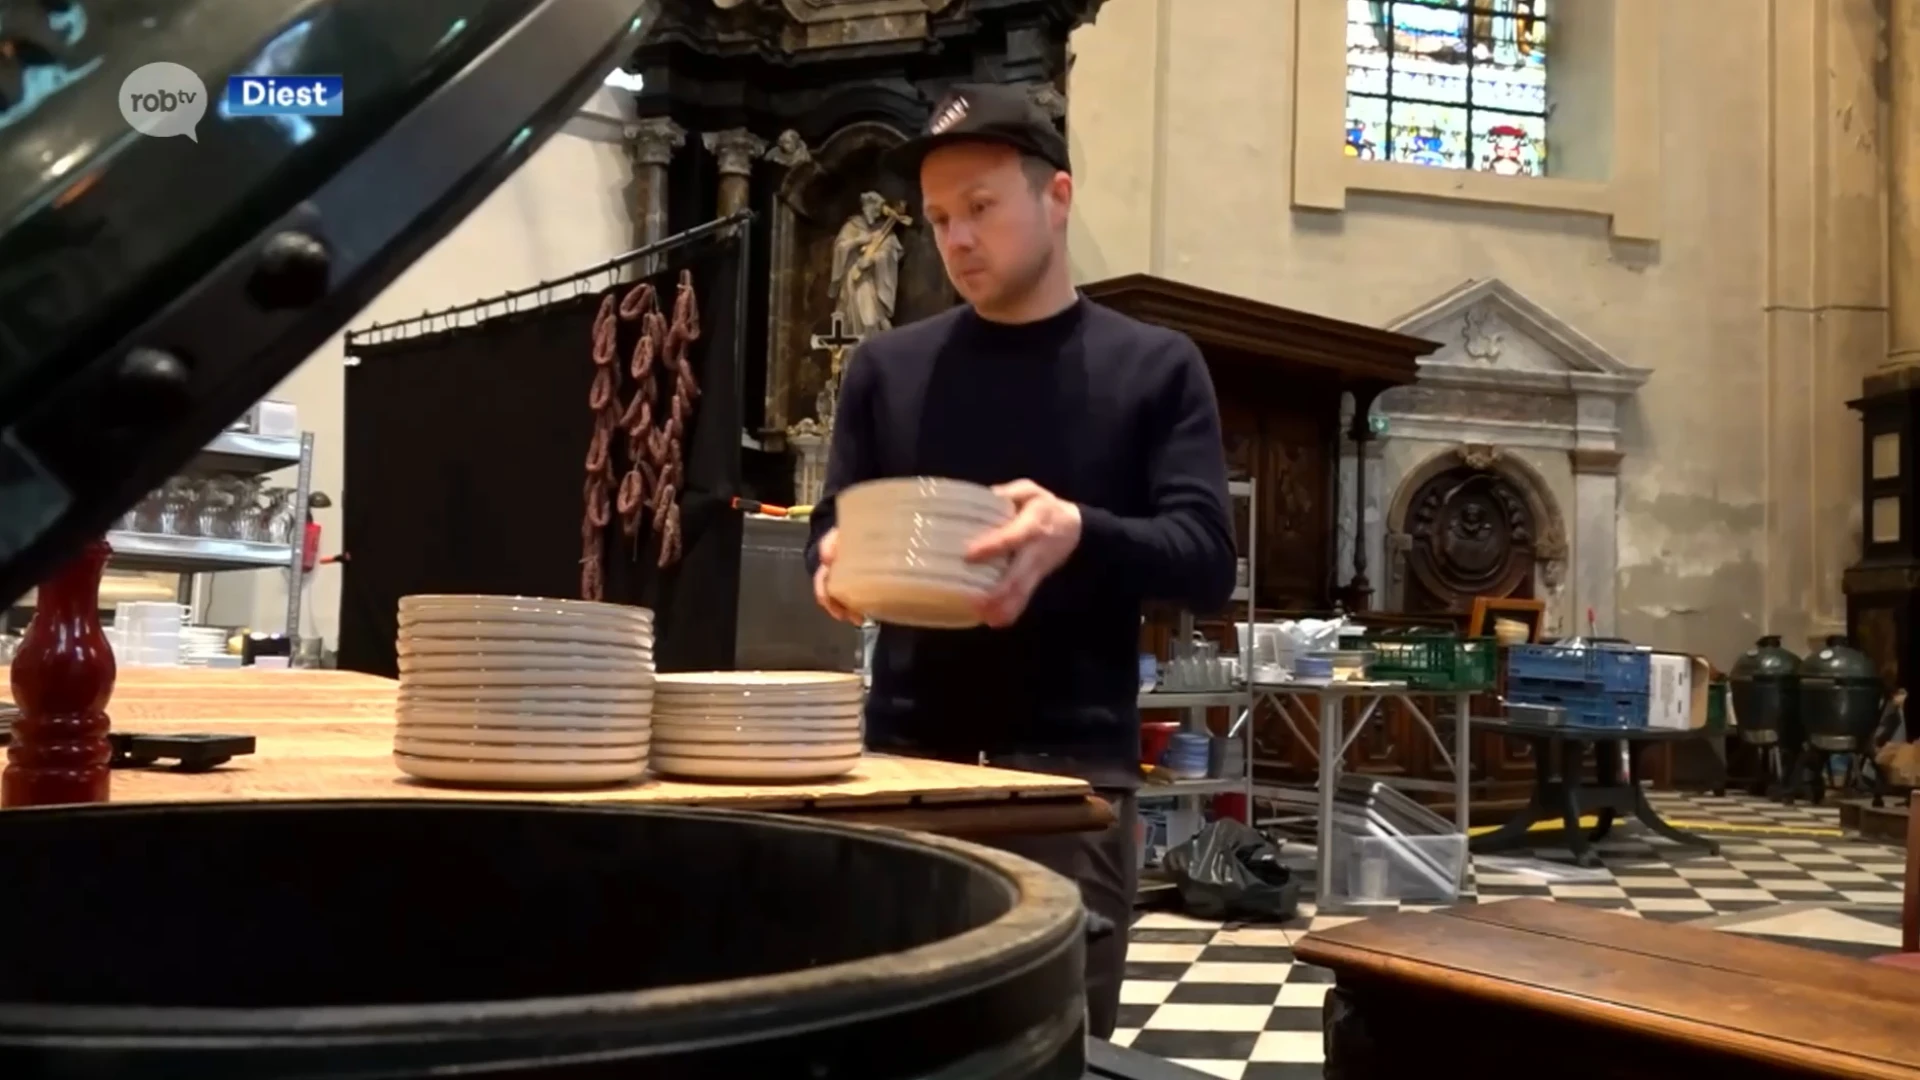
<point>1060,198</point>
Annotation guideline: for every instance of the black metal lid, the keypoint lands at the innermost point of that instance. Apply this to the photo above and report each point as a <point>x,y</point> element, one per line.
<point>1766,660</point>
<point>1839,660</point>
<point>153,288</point>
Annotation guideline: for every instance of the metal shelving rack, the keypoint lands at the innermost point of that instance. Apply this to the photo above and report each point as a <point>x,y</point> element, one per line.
<point>1196,703</point>
<point>233,453</point>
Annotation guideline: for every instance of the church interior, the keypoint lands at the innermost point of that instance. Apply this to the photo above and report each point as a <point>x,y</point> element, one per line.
<point>1537,326</point>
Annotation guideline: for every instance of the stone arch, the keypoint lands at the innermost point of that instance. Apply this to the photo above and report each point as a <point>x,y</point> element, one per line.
<point>1550,552</point>
<point>857,139</point>
<point>820,189</point>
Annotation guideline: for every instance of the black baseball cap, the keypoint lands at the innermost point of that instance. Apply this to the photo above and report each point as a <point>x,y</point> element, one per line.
<point>985,112</point>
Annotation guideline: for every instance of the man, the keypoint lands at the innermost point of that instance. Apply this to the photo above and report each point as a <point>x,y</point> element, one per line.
<point>1104,434</point>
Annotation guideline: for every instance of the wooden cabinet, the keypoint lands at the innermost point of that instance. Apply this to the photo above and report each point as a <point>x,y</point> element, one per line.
<point>1282,377</point>
<point>1284,380</point>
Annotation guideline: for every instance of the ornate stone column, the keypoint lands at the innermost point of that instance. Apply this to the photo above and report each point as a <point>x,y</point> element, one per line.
<point>1826,322</point>
<point>1903,183</point>
<point>652,142</point>
<point>1596,538</point>
<point>1883,587</point>
<point>735,149</point>
<point>790,153</point>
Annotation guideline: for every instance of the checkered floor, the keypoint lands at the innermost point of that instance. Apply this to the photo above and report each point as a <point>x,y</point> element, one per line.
<point>1229,1000</point>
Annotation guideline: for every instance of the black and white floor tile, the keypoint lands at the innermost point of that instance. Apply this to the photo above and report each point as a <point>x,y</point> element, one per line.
<point>1230,1001</point>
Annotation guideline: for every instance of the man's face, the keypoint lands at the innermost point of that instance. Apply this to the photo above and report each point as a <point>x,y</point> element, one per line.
<point>996,233</point>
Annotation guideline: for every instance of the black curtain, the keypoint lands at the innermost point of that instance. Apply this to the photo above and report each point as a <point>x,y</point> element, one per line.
<point>465,455</point>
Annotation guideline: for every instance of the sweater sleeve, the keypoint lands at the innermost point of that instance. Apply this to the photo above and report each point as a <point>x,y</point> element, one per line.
<point>852,455</point>
<point>1183,550</point>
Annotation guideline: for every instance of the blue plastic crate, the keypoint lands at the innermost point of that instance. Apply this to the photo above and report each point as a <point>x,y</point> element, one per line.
<point>1601,669</point>
<point>1584,708</point>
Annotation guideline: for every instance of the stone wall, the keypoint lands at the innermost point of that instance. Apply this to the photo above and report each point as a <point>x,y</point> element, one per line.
<point>1729,244</point>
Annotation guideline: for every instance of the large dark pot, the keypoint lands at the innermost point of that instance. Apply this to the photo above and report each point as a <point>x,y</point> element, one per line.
<point>1765,684</point>
<point>409,938</point>
<point>1840,697</point>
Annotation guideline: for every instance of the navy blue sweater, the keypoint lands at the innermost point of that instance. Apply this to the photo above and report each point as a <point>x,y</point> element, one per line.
<point>1100,409</point>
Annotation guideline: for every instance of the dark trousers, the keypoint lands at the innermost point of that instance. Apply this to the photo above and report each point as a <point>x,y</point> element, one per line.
<point>1105,865</point>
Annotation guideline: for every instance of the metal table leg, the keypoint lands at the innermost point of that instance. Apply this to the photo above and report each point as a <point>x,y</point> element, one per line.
<point>1459,758</point>
<point>1462,758</point>
<point>1332,727</point>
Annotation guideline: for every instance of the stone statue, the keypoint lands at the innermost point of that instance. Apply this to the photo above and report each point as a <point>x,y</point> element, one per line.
<point>866,267</point>
<point>789,150</point>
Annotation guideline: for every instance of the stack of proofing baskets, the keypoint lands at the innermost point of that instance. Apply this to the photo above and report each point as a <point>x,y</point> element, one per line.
<point>1596,686</point>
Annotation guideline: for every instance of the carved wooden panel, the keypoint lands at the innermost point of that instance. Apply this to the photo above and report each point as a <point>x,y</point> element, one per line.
<point>1282,443</point>
<point>1883,619</point>
<point>1876,631</point>
<point>1295,518</point>
<point>1240,434</point>
<point>1278,752</point>
<point>1471,534</point>
<point>1503,759</point>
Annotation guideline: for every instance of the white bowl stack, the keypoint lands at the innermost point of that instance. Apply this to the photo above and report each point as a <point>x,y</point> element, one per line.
<point>757,726</point>
<point>902,553</point>
<point>204,646</point>
<point>523,692</point>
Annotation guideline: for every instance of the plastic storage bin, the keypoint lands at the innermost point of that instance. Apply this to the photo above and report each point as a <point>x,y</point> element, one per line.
<point>1600,669</point>
<point>1410,869</point>
<point>1432,660</point>
<point>1583,705</point>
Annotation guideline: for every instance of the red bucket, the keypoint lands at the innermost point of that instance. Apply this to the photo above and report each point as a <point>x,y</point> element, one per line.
<point>1154,738</point>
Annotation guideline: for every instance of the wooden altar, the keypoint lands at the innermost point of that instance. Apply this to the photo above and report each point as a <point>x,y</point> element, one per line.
<point>787,107</point>
<point>1285,380</point>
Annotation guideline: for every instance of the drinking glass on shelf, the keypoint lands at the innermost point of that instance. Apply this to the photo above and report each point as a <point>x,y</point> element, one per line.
<point>176,507</point>
<point>276,515</point>
<point>249,510</point>
<point>145,517</point>
<point>210,498</point>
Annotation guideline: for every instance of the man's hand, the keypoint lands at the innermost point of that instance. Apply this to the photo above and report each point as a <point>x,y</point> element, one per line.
<point>829,545</point>
<point>1044,532</point>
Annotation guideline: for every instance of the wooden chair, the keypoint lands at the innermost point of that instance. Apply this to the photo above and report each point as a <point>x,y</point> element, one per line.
<point>1909,954</point>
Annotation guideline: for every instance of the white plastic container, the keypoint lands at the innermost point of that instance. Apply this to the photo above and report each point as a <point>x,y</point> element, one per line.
<point>1405,869</point>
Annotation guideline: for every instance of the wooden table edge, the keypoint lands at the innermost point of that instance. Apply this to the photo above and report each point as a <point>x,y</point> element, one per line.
<point>1019,815</point>
<point>1342,957</point>
<point>1028,816</point>
<point>1494,915</point>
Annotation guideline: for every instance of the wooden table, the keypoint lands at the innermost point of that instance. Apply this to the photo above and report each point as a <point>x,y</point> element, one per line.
<point>1562,792</point>
<point>329,735</point>
<point>1531,988</point>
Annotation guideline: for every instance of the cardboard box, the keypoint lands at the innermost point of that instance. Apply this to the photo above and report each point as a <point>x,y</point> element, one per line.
<point>1677,691</point>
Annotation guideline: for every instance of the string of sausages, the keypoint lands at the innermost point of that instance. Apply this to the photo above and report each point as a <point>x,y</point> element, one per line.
<point>655,455</point>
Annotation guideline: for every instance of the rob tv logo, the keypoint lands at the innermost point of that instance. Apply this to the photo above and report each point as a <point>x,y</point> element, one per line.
<point>283,95</point>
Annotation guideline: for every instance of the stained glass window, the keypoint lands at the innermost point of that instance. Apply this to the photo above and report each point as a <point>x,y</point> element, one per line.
<point>1458,84</point>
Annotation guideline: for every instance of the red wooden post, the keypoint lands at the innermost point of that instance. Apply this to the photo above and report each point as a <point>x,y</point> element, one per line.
<point>62,679</point>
